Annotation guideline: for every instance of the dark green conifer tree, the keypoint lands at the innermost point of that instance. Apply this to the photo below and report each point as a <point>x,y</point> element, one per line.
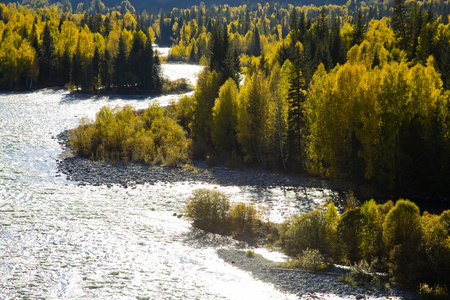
<point>399,24</point>
<point>359,30</point>
<point>293,20</point>
<point>302,27</point>
<point>147,65</point>
<point>337,48</point>
<point>95,69</point>
<point>216,51</point>
<point>256,45</point>
<point>296,117</point>
<point>65,68</point>
<point>232,68</point>
<point>105,71</point>
<point>47,58</point>
<point>156,73</point>
<point>75,71</point>
<point>121,65</point>
<point>416,23</point>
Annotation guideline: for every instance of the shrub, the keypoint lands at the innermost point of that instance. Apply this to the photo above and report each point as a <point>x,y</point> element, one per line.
<point>209,210</point>
<point>349,230</point>
<point>371,232</point>
<point>433,293</point>
<point>82,138</point>
<point>437,247</point>
<point>184,111</point>
<point>348,279</point>
<point>309,259</point>
<point>403,235</point>
<point>305,231</point>
<point>175,85</point>
<point>331,224</point>
<point>245,219</point>
<point>363,271</point>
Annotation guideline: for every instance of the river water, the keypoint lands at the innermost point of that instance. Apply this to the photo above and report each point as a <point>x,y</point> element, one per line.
<point>61,240</point>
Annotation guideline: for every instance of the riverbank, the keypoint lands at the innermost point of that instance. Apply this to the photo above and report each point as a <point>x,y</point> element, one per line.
<point>94,172</point>
<point>306,285</point>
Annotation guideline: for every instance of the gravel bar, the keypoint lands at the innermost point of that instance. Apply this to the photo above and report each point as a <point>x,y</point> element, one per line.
<point>95,172</point>
<point>306,285</point>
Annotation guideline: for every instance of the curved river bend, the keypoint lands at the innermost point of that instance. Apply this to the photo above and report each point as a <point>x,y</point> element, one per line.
<point>61,240</point>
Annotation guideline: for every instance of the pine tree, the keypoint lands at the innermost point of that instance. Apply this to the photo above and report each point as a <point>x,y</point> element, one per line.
<point>156,73</point>
<point>337,48</point>
<point>148,63</point>
<point>105,71</point>
<point>75,71</point>
<point>416,24</point>
<point>232,68</point>
<point>400,24</point>
<point>293,20</point>
<point>256,47</point>
<point>120,64</point>
<point>302,27</point>
<point>359,29</point>
<point>65,68</point>
<point>47,59</point>
<point>296,118</point>
<point>322,25</point>
<point>216,51</point>
<point>95,68</point>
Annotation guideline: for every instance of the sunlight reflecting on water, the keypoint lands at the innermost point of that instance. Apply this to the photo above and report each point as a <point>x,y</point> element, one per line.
<point>61,240</point>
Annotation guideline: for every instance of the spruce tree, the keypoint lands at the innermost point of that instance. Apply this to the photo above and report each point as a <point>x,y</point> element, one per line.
<point>95,68</point>
<point>232,67</point>
<point>359,29</point>
<point>293,20</point>
<point>65,68</point>
<point>120,64</point>
<point>105,70</point>
<point>47,58</point>
<point>156,73</point>
<point>296,117</point>
<point>337,48</point>
<point>399,24</point>
<point>216,51</point>
<point>147,62</point>
<point>256,51</point>
<point>302,27</point>
<point>416,24</point>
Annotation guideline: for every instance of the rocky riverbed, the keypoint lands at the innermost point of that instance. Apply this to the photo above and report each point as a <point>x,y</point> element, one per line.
<point>307,285</point>
<point>96,172</point>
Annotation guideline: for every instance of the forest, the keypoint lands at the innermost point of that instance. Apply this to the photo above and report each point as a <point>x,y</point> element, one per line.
<point>359,93</point>
<point>356,92</point>
<point>88,52</point>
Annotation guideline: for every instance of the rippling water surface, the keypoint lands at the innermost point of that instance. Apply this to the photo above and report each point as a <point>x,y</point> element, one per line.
<point>62,240</point>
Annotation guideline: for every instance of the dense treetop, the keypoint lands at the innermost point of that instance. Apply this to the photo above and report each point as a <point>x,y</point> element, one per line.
<point>83,51</point>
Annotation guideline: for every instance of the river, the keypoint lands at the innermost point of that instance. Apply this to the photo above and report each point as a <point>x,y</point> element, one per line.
<point>62,240</point>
